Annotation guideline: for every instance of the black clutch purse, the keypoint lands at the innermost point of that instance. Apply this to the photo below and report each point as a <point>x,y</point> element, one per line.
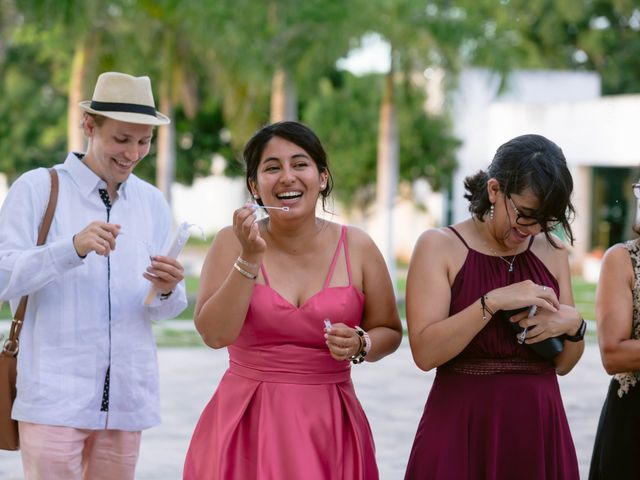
<point>547,349</point>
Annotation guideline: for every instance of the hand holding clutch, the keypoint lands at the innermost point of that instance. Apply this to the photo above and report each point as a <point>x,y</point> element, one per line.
<point>547,349</point>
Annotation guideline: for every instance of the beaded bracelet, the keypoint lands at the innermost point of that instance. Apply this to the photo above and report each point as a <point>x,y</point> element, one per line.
<point>244,273</point>
<point>242,261</point>
<point>363,350</point>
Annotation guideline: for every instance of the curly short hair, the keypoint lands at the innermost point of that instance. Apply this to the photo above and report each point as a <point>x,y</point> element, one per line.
<point>534,162</point>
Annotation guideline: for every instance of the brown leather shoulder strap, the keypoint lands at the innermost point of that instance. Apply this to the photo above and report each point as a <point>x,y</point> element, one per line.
<point>51,208</point>
<point>11,345</point>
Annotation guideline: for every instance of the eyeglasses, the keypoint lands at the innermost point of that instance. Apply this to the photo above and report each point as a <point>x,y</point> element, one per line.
<point>529,220</point>
<point>636,190</point>
<point>521,219</point>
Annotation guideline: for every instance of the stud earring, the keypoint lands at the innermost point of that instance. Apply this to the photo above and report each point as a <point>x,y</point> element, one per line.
<point>491,211</point>
<point>256,196</point>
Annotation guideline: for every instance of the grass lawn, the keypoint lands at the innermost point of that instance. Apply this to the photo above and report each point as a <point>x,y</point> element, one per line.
<point>5,311</point>
<point>192,290</point>
<point>584,295</point>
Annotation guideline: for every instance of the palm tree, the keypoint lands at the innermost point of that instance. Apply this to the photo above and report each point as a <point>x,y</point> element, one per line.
<point>78,27</point>
<point>289,44</point>
<point>419,34</point>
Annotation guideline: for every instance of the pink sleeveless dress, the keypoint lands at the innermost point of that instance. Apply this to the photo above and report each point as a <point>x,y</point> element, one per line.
<point>494,412</point>
<point>285,409</point>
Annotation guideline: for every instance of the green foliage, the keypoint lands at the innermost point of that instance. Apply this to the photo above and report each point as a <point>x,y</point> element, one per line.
<point>217,59</point>
<point>599,35</point>
<point>198,140</point>
<point>345,114</point>
<point>33,106</point>
<point>427,147</point>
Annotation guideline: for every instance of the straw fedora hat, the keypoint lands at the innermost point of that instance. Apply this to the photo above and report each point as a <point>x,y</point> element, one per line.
<point>124,98</point>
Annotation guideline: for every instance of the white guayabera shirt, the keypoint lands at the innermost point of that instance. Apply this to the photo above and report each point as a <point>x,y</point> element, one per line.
<point>85,316</point>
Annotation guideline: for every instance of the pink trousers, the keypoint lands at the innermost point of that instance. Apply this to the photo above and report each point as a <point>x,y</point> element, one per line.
<point>64,453</point>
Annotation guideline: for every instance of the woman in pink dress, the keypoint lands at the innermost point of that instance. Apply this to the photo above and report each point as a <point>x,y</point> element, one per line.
<point>296,299</point>
<point>494,411</point>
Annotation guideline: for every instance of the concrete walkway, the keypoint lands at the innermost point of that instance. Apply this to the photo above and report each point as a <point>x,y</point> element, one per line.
<point>392,393</point>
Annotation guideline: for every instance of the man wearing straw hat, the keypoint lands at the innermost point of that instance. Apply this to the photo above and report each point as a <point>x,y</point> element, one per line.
<point>87,370</point>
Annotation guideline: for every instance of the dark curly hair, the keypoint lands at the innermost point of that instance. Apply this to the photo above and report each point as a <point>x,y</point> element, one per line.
<point>294,132</point>
<point>528,161</point>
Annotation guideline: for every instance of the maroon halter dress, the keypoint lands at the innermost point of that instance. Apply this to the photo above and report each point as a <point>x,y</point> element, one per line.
<point>494,411</point>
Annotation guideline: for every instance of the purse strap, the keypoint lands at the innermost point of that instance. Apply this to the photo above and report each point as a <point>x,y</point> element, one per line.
<point>11,344</point>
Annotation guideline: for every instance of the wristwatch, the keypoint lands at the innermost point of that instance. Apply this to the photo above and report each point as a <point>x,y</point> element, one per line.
<point>578,337</point>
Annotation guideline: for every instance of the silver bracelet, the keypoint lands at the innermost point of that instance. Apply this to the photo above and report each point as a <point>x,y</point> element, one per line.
<point>242,261</point>
<point>243,272</point>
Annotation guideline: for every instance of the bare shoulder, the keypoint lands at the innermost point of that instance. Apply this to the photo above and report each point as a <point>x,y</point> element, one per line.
<point>225,244</point>
<point>225,236</point>
<point>358,238</point>
<point>617,256</point>
<point>617,250</point>
<point>616,267</point>
<point>546,250</point>
<point>438,240</point>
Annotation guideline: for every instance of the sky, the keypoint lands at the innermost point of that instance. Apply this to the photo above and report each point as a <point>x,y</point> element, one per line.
<point>372,57</point>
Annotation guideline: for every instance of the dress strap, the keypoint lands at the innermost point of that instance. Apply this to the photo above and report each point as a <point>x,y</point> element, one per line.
<point>264,275</point>
<point>459,236</point>
<point>341,242</point>
<point>346,252</point>
<point>530,242</point>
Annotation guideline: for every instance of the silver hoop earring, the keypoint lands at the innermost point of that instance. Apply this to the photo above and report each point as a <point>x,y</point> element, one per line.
<point>491,211</point>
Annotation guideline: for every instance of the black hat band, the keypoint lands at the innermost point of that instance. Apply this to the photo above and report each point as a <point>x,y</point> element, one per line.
<point>123,107</point>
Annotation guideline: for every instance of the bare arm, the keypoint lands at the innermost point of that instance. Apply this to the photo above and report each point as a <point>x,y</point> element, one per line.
<point>435,336</point>
<point>568,319</point>
<point>565,319</point>
<point>614,312</point>
<point>380,317</point>
<point>225,293</point>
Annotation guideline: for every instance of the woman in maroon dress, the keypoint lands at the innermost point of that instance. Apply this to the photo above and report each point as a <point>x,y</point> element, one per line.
<point>494,410</point>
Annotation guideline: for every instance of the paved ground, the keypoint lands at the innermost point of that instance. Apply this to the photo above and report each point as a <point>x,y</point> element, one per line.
<point>392,392</point>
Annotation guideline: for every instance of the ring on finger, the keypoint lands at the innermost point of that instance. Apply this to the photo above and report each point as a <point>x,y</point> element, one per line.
<point>544,288</point>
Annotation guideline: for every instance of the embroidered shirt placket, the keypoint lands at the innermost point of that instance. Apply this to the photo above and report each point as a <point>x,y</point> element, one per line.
<point>104,407</point>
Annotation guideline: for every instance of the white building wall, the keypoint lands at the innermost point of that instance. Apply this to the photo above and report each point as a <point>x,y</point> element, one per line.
<point>600,132</point>
<point>485,117</point>
<point>209,202</point>
<point>565,107</point>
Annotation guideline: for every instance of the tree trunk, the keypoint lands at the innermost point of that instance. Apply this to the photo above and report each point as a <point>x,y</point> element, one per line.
<point>75,137</point>
<point>284,101</point>
<point>166,156</point>
<point>387,171</point>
